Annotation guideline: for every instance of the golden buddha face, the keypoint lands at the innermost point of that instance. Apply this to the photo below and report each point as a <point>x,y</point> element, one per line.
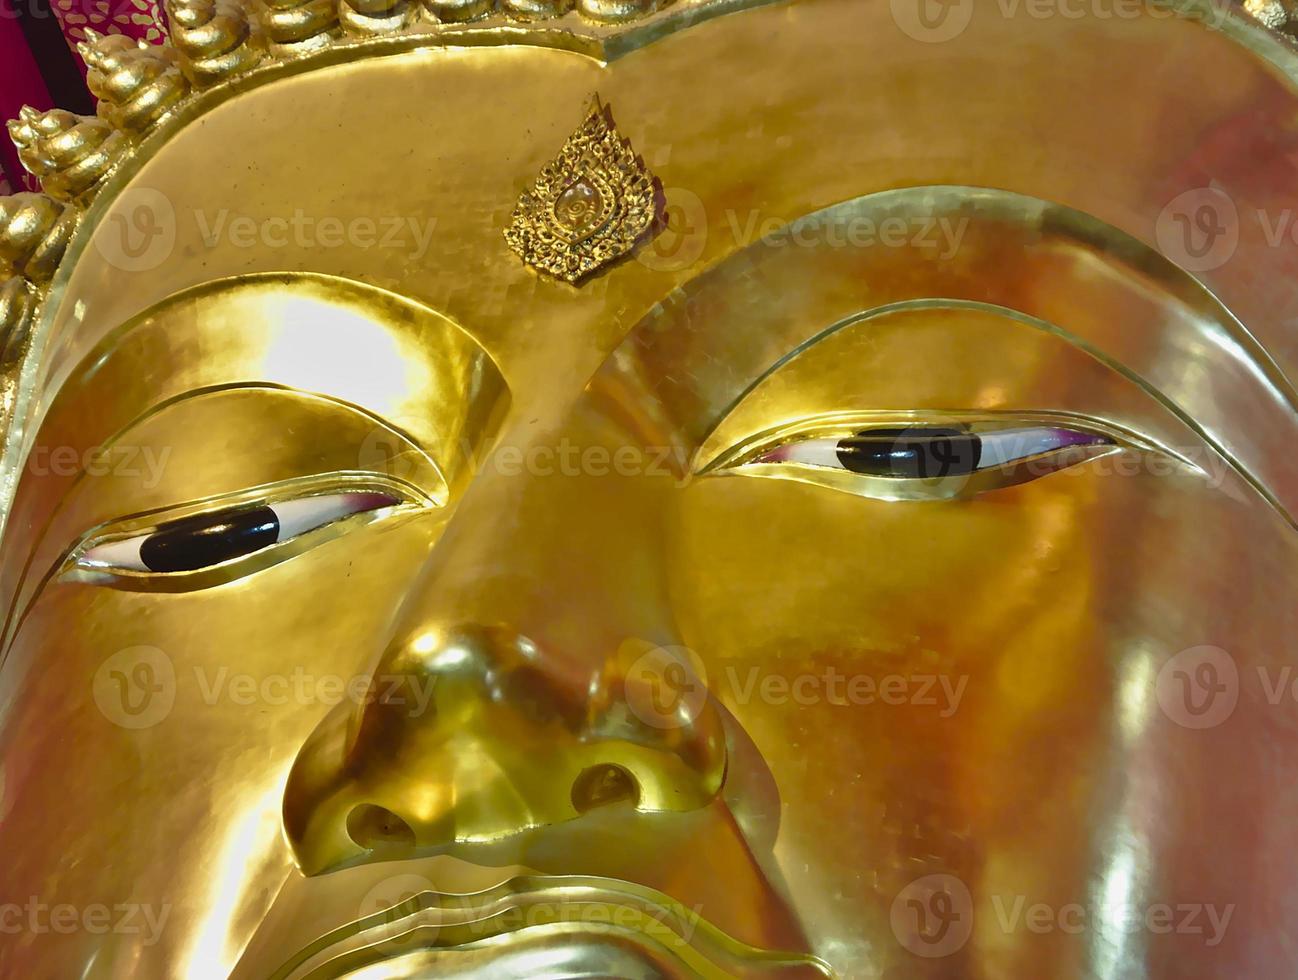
<point>885,570</point>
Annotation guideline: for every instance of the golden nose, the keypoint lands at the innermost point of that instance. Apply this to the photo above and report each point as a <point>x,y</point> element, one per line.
<point>475,733</point>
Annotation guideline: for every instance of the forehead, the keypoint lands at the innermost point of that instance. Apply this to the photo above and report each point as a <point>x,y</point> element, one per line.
<point>402,170</point>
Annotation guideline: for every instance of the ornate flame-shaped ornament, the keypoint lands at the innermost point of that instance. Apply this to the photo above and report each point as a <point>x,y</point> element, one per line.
<point>589,206</point>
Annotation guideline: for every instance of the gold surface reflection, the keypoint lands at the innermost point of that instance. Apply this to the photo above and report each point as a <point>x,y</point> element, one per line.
<point>884,570</point>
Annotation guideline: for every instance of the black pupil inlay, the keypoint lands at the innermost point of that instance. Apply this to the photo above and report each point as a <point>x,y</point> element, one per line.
<point>924,453</point>
<point>208,539</point>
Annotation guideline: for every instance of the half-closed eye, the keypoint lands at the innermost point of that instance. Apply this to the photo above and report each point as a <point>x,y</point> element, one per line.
<point>196,545</point>
<point>207,539</point>
<point>916,461</point>
<point>928,452</point>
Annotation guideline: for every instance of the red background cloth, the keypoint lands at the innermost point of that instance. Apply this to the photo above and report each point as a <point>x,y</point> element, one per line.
<point>42,77</point>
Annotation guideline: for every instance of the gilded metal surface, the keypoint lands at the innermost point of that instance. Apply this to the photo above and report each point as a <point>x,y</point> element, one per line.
<point>15,314</point>
<point>215,39</point>
<point>16,304</point>
<point>589,206</point>
<point>34,232</point>
<point>616,10</point>
<point>70,154</point>
<point>366,17</point>
<point>607,686</point>
<point>536,9</point>
<point>136,83</point>
<point>458,11</point>
<point>298,25</point>
<point>1271,13</point>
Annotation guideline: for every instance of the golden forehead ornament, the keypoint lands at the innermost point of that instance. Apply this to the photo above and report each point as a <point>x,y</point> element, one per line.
<point>589,206</point>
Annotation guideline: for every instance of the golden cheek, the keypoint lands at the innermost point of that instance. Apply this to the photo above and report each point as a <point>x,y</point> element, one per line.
<point>192,706</point>
<point>359,576</point>
<point>944,677</point>
<point>771,570</point>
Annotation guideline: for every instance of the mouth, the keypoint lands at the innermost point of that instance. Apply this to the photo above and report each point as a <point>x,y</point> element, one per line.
<point>561,928</point>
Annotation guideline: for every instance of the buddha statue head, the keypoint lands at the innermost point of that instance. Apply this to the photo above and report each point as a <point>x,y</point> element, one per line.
<point>701,489</point>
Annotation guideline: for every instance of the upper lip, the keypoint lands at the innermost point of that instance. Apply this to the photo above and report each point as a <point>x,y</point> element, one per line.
<point>560,912</point>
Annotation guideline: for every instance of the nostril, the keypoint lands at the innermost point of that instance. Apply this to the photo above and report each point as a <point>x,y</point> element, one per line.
<point>602,785</point>
<point>374,827</point>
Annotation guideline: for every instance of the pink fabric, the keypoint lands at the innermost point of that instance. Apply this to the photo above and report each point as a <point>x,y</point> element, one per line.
<point>20,84</point>
<point>141,19</point>
<point>21,81</point>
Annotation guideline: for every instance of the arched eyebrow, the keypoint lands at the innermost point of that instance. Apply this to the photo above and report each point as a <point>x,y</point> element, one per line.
<point>287,434</point>
<point>404,364</point>
<point>1090,285</point>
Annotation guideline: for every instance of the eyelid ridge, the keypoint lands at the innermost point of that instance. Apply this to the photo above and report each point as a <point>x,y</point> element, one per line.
<point>133,526</point>
<point>264,494</point>
<point>846,423</point>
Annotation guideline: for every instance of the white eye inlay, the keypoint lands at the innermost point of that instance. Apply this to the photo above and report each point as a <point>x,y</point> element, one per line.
<point>308,513</point>
<point>904,452</point>
<point>812,452</point>
<point>208,539</point>
<point>116,554</point>
<point>1008,445</point>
